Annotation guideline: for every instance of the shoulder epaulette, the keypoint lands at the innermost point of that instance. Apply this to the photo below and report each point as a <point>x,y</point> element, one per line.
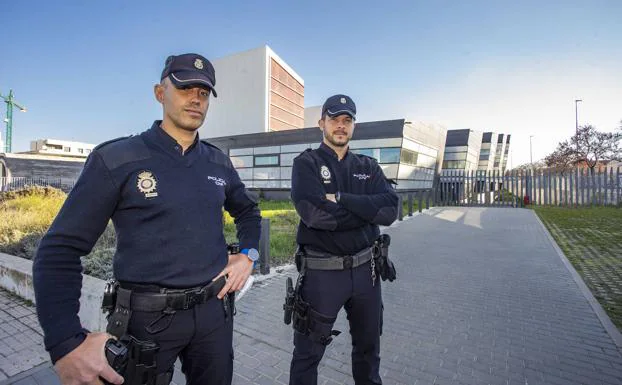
<point>120,151</point>
<point>367,156</point>
<point>304,153</point>
<point>111,141</point>
<point>204,141</point>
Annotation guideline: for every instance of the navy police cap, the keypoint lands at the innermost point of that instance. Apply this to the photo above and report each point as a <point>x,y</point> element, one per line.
<point>338,105</point>
<point>190,69</point>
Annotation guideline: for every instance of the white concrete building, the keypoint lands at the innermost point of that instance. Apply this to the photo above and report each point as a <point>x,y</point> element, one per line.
<point>60,148</point>
<point>312,116</point>
<point>257,92</point>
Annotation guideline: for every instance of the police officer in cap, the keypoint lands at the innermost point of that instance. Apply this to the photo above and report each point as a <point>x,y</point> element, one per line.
<point>164,190</point>
<point>342,198</point>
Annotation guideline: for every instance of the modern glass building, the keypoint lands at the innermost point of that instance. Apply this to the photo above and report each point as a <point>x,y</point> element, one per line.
<point>499,152</point>
<point>462,150</point>
<point>506,152</point>
<point>488,151</point>
<point>410,153</point>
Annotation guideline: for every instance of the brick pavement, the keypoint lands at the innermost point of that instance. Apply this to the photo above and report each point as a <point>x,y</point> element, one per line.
<point>481,298</point>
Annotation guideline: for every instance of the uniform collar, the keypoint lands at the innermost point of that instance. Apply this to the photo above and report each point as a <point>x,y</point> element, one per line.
<point>167,142</point>
<point>169,145</point>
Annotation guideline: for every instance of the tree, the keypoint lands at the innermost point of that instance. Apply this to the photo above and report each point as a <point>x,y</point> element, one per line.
<point>562,159</point>
<point>537,165</point>
<point>591,146</point>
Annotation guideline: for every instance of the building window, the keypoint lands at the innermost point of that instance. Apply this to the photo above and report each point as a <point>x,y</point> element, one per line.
<point>389,155</point>
<point>288,159</point>
<point>81,151</point>
<point>266,160</point>
<point>242,161</point>
<point>454,164</point>
<point>408,157</point>
<point>240,151</point>
<point>365,151</point>
<point>67,149</point>
<point>52,147</point>
<point>87,151</point>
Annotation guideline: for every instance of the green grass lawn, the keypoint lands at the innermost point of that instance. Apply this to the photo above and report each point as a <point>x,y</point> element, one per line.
<point>591,238</point>
<point>283,225</point>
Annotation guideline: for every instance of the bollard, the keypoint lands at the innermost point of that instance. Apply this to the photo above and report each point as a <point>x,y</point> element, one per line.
<point>264,247</point>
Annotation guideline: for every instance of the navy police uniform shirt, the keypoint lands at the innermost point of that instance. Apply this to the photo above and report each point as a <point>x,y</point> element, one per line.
<point>166,208</point>
<point>366,200</point>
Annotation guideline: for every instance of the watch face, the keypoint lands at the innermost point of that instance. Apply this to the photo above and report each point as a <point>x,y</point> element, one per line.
<point>253,254</point>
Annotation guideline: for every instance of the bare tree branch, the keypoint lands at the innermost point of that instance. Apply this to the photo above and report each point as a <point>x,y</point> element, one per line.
<point>592,146</point>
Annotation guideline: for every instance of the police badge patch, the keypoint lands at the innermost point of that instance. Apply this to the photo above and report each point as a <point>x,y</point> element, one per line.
<point>325,173</point>
<point>147,184</point>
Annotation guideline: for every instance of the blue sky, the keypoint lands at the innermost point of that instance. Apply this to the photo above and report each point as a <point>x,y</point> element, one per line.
<point>85,69</point>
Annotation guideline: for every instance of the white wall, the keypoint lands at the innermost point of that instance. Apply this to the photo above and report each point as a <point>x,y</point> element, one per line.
<point>16,277</point>
<point>312,115</point>
<point>241,105</point>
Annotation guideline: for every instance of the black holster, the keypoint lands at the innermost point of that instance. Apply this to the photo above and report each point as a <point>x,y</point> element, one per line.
<point>384,266</point>
<point>306,320</point>
<point>119,316</point>
<point>135,361</point>
<point>318,326</point>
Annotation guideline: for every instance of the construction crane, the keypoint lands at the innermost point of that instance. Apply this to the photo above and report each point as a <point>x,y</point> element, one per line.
<point>10,102</point>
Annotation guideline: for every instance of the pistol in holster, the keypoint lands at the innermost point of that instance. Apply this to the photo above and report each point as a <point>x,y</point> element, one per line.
<point>135,361</point>
<point>306,320</point>
<point>293,294</point>
<point>109,300</point>
<point>384,266</point>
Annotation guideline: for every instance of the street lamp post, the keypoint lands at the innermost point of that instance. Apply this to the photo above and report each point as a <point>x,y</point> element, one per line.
<point>530,151</point>
<point>576,115</point>
<point>10,102</point>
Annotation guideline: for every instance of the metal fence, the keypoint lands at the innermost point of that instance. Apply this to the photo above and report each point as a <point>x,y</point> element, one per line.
<point>579,187</point>
<point>17,183</point>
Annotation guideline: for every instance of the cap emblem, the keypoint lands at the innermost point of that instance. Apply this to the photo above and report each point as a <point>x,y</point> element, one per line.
<point>198,64</point>
<point>343,100</point>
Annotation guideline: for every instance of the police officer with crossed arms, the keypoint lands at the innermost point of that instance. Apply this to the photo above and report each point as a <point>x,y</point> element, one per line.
<point>342,198</point>
<point>164,191</point>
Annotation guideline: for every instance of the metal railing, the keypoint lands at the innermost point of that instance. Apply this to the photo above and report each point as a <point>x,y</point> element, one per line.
<point>18,183</point>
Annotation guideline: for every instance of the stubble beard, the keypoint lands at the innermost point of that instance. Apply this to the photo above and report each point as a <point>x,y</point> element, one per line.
<point>331,139</point>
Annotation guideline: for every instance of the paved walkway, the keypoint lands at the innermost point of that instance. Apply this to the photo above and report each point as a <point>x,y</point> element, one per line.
<point>482,297</point>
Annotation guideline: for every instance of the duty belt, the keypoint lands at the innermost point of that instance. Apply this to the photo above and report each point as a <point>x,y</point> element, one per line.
<point>313,262</point>
<point>175,299</point>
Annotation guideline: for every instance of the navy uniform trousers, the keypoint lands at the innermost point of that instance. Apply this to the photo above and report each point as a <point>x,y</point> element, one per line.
<point>327,292</point>
<point>202,337</point>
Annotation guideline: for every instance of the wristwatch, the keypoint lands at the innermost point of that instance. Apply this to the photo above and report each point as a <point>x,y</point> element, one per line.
<point>252,254</point>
